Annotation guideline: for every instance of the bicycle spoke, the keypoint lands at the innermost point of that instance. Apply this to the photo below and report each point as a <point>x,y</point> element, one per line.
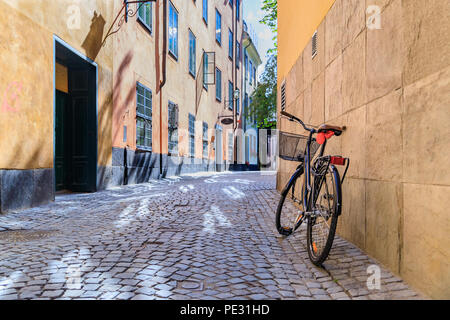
<point>321,227</point>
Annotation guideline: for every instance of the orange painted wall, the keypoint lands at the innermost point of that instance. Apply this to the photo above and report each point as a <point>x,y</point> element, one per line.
<point>297,21</point>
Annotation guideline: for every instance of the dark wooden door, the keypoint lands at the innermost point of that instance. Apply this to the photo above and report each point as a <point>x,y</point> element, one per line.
<point>61,177</point>
<point>83,131</point>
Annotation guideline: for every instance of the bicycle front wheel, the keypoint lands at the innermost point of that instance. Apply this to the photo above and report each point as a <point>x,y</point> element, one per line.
<point>290,212</point>
<point>322,222</point>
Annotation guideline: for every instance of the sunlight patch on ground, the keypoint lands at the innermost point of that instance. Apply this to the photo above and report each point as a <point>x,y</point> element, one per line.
<point>233,193</point>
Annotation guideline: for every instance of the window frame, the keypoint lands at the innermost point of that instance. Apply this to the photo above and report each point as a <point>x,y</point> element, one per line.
<point>191,135</point>
<point>238,54</point>
<point>205,18</point>
<point>173,107</point>
<point>145,118</point>
<point>230,44</point>
<point>194,57</point>
<point>205,140</point>
<point>218,14</point>
<point>172,52</point>
<point>219,85</point>
<point>230,95</point>
<point>141,20</point>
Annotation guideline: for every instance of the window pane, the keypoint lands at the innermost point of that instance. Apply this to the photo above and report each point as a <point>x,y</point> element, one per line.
<point>148,13</point>
<point>173,30</point>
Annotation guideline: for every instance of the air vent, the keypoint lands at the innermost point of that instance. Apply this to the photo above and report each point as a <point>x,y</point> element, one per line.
<point>314,45</point>
<point>283,96</point>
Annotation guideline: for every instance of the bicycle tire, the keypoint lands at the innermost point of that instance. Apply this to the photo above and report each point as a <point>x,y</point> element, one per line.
<point>283,229</point>
<point>313,252</point>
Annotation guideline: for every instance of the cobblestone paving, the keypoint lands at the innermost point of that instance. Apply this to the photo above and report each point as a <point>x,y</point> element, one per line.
<point>198,237</point>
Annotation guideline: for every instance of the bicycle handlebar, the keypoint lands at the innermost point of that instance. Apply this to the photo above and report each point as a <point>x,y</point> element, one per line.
<point>294,118</point>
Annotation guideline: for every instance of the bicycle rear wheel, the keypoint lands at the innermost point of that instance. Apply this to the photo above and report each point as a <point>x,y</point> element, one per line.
<point>322,223</point>
<point>290,212</point>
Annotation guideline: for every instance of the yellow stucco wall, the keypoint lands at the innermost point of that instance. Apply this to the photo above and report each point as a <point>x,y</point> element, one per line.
<point>27,77</point>
<point>61,78</point>
<point>134,61</point>
<point>297,19</point>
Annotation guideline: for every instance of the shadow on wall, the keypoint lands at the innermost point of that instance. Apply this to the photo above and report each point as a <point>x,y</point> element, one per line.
<point>121,107</point>
<point>93,42</point>
<point>111,122</point>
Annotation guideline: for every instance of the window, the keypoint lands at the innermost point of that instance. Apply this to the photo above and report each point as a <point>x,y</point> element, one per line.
<point>230,44</point>
<point>230,95</point>
<point>250,71</point>
<point>145,14</point>
<point>218,84</point>
<point>238,9</point>
<point>173,30</point>
<point>192,136</point>
<point>218,27</point>
<point>192,54</point>
<point>230,2</point>
<point>238,54</point>
<point>205,11</point>
<point>253,118</point>
<point>230,147</point>
<point>205,140</point>
<point>143,117</point>
<point>205,70</point>
<point>173,128</point>
<point>246,65</point>
<point>246,107</point>
<point>254,75</point>
<point>238,105</point>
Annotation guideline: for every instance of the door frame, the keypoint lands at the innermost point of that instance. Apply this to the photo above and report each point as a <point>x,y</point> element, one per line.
<point>59,41</point>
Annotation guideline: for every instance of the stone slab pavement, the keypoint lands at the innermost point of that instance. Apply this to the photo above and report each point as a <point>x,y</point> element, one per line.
<point>205,236</point>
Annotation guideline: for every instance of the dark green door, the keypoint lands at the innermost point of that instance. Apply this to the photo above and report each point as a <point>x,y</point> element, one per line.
<point>61,164</point>
<point>82,135</point>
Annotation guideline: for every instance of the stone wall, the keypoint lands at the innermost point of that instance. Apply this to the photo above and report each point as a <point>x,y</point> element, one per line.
<point>390,88</point>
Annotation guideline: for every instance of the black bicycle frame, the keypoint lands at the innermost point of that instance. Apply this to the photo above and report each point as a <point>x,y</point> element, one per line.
<point>307,202</point>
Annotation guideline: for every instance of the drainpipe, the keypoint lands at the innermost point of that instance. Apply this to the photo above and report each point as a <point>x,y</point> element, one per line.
<point>163,81</point>
<point>234,81</point>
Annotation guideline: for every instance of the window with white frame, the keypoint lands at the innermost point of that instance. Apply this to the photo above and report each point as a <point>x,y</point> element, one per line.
<point>205,140</point>
<point>230,147</point>
<point>218,27</point>
<point>143,117</point>
<point>173,128</point>
<point>250,72</point>
<point>192,53</point>
<point>191,136</point>
<point>230,95</point>
<point>218,84</point>
<point>238,54</point>
<point>230,44</point>
<point>145,14</point>
<point>205,11</point>
<point>173,30</point>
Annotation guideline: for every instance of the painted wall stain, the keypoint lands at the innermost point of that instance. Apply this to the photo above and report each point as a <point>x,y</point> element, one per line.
<point>11,97</point>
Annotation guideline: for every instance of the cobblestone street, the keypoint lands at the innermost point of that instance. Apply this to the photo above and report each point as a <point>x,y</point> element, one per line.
<point>197,237</point>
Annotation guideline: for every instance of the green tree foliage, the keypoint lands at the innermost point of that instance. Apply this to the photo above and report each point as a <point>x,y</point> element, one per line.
<point>270,8</point>
<point>263,108</point>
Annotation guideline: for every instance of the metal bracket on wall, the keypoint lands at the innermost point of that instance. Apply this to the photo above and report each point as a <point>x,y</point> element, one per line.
<point>127,13</point>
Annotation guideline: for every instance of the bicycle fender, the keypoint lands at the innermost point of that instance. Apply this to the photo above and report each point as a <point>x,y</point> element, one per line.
<point>337,178</point>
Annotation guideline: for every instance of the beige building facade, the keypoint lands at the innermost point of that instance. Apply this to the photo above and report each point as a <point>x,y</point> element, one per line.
<point>382,69</point>
<point>92,97</point>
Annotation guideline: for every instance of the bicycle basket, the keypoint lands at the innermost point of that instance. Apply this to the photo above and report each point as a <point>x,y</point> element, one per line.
<point>293,146</point>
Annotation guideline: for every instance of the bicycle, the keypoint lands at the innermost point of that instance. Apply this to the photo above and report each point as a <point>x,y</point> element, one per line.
<point>320,200</point>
